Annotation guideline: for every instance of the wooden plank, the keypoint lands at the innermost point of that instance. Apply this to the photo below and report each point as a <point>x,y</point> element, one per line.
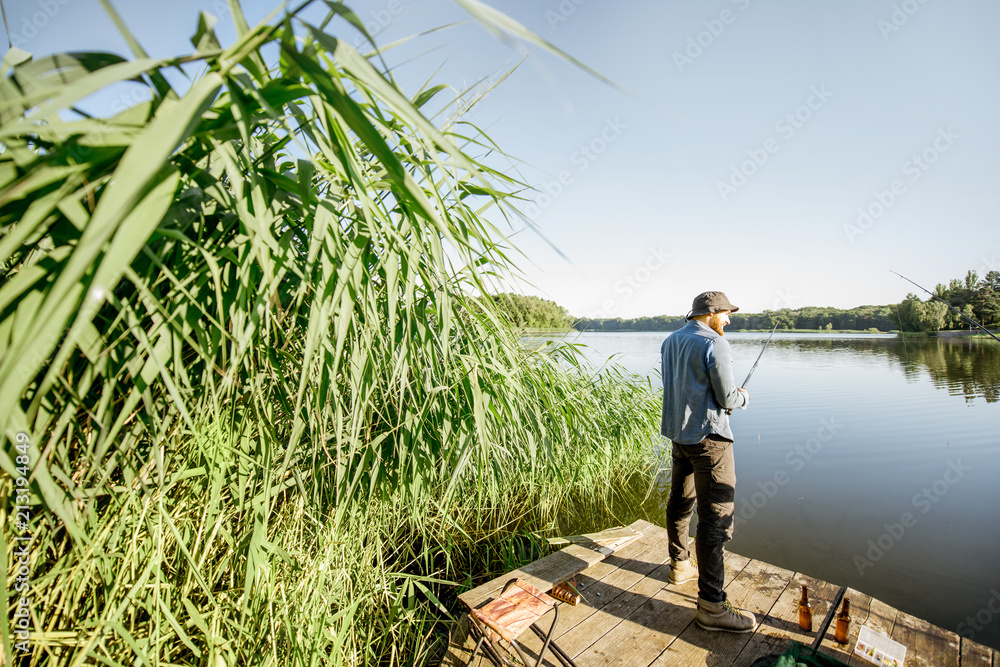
<point>684,601</point>
<point>926,645</point>
<point>975,655</point>
<point>881,618</point>
<point>641,636</point>
<point>629,557</point>
<point>632,626</point>
<point>643,633</point>
<point>735,564</point>
<point>460,646</point>
<point>621,593</point>
<point>860,609</point>
<point>603,582</point>
<point>781,623</point>
<point>605,537</point>
<point>600,584</point>
<point>631,616</point>
<point>607,586</point>
<point>755,589</point>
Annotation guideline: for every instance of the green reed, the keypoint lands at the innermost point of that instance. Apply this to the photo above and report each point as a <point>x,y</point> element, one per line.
<point>270,423</point>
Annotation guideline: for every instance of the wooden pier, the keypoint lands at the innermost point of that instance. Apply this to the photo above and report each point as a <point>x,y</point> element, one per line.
<point>631,616</point>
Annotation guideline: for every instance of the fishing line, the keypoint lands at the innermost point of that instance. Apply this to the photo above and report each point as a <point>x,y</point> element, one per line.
<point>900,321</point>
<point>961,314</point>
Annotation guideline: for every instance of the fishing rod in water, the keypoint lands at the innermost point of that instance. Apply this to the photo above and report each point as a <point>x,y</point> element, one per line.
<point>754,367</point>
<point>935,296</point>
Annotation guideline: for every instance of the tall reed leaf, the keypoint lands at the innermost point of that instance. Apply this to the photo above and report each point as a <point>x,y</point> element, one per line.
<point>273,413</point>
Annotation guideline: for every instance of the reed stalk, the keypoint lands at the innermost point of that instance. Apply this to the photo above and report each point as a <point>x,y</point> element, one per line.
<point>269,419</point>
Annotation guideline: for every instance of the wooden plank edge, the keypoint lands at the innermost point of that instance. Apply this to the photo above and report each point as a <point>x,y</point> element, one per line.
<point>605,536</point>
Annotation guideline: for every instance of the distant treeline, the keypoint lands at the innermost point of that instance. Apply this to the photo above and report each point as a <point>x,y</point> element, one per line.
<point>978,298</point>
<point>862,318</point>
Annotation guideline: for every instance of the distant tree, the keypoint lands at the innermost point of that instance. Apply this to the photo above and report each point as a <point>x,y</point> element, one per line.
<point>935,312</point>
<point>953,320</point>
<point>783,319</point>
<point>917,315</point>
<point>956,321</point>
<point>986,307</point>
<point>532,312</point>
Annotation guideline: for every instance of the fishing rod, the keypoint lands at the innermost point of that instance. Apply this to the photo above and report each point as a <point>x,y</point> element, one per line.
<point>754,367</point>
<point>961,314</point>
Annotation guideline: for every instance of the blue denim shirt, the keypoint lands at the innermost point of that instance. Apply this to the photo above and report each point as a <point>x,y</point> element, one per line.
<point>698,385</point>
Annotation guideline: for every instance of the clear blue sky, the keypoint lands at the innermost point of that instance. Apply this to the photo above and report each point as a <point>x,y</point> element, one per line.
<point>753,134</point>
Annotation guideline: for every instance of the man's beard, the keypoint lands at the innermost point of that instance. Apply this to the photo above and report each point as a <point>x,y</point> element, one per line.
<point>717,324</point>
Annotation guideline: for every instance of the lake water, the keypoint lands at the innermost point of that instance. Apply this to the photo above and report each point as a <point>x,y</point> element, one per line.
<point>867,461</point>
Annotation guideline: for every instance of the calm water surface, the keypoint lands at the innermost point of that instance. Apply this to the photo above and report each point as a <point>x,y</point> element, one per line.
<point>867,461</point>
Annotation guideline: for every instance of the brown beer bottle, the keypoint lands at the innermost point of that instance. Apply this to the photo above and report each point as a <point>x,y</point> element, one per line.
<point>843,623</point>
<point>805,612</point>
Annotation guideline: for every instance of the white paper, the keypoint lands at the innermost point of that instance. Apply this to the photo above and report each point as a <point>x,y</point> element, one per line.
<point>878,649</point>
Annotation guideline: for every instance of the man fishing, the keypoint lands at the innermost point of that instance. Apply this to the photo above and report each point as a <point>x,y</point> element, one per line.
<point>698,393</point>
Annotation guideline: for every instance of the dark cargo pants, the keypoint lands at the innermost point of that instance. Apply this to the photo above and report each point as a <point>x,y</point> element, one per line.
<point>704,472</point>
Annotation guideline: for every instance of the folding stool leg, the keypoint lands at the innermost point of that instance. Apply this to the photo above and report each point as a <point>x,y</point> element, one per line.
<point>547,645</point>
<point>479,645</point>
<point>520,653</point>
<point>486,645</point>
<point>551,645</point>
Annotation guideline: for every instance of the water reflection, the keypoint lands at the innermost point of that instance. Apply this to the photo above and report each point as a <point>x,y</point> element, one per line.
<point>963,366</point>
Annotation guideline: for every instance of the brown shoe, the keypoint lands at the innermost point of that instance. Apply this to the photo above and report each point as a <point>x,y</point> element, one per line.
<point>682,571</point>
<point>723,616</point>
